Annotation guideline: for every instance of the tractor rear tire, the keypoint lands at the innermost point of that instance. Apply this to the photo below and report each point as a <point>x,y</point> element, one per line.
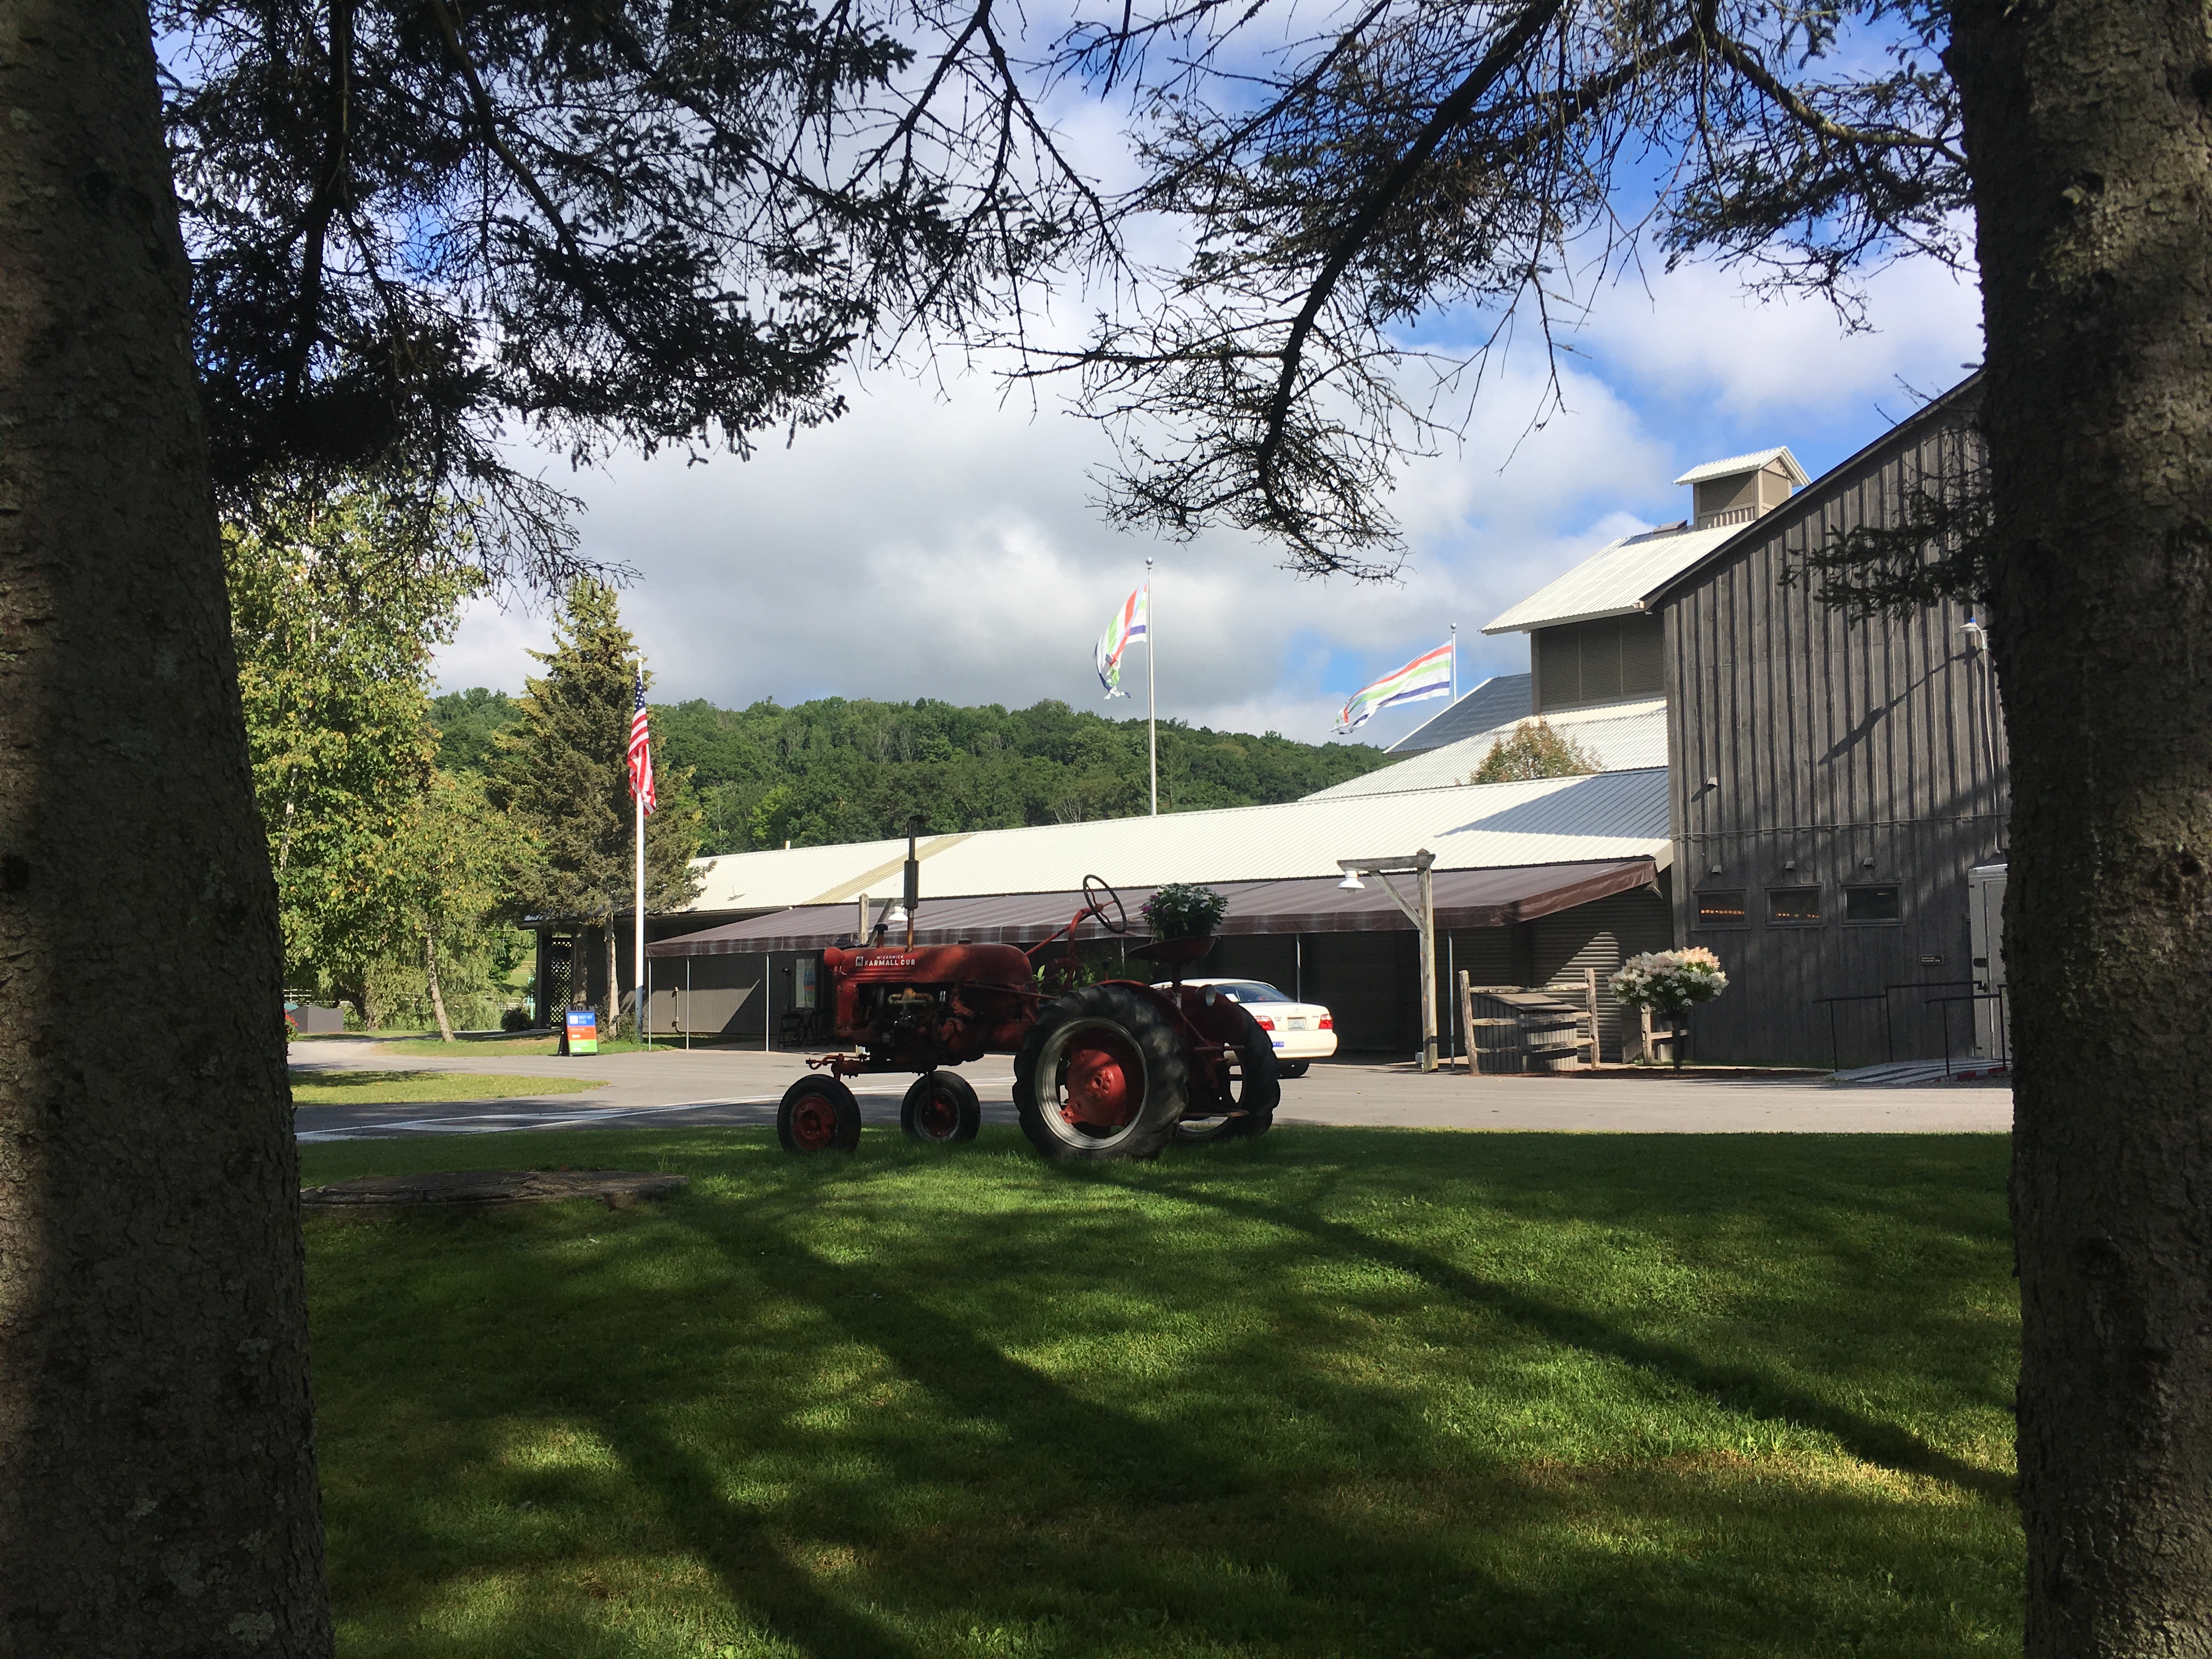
<point>940,1108</point>
<point>1128,1069</point>
<point>1253,1086</point>
<point>818,1114</point>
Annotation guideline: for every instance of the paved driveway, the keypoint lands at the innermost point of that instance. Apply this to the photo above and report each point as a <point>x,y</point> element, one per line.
<point>723,1086</point>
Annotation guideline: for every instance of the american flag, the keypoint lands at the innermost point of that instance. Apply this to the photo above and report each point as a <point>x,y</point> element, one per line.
<point>641,751</point>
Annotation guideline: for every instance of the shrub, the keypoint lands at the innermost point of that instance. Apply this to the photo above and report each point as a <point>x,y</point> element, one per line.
<point>515,1019</point>
<point>1183,910</point>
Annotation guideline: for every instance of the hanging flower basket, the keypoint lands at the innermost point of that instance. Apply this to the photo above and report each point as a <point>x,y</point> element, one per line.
<point>1184,910</point>
<point>1670,982</point>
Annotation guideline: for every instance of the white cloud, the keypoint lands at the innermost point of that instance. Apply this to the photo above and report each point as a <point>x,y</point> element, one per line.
<point>946,546</point>
<point>1697,337</point>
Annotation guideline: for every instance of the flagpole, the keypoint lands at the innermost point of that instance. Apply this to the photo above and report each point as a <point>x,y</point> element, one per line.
<point>630,765</point>
<point>1454,645</point>
<point>1151,690</point>
<point>638,975</point>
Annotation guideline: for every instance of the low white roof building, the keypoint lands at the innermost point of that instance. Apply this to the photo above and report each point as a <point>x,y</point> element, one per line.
<point>1503,853</point>
<point>1545,821</point>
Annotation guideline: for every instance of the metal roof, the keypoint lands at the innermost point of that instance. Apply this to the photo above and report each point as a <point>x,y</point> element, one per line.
<point>1613,580</point>
<point>1503,697</point>
<point>1463,898</point>
<point>1612,815</point>
<point>1964,395</point>
<point>1620,737</point>
<point>1735,464</point>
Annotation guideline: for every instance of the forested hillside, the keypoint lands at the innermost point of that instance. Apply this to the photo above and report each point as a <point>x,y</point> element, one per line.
<point>834,770</point>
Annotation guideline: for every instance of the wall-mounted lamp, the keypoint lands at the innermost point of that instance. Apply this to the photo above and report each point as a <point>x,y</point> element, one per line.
<point>1712,783</point>
<point>1352,884</point>
<point>1866,864</point>
<point>1717,869</point>
<point>1977,636</point>
<point>1790,864</point>
<point>896,917</point>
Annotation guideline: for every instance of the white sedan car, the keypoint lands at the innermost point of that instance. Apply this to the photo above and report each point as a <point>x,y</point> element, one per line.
<point>1302,1032</point>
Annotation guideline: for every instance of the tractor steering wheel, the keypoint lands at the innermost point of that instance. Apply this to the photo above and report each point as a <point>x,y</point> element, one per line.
<point>1098,910</point>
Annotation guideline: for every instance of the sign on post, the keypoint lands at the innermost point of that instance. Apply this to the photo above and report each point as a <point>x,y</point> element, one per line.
<point>583,1031</point>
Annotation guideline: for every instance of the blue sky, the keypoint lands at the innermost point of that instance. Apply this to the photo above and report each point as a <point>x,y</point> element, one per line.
<point>941,541</point>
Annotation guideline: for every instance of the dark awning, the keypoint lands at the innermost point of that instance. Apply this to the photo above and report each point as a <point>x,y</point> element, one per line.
<point>1464,898</point>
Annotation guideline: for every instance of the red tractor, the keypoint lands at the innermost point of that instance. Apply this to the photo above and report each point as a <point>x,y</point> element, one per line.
<point>1113,1070</point>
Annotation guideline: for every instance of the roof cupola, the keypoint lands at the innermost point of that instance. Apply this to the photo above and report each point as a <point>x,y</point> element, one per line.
<point>1741,488</point>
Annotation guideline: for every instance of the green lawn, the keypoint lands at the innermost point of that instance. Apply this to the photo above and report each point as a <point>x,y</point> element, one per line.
<point>1334,1393</point>
<point>383,1088</point>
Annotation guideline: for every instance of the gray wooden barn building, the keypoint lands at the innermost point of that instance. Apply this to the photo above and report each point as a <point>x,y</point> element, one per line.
<point>1833,780</point>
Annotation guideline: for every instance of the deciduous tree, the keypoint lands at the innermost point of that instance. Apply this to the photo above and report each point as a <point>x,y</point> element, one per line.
<point>1533,749</point>
<point>336,606</point>
<point>452,870</point>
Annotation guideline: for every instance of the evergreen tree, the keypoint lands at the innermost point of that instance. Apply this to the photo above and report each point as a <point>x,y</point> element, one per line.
<point>563,774</point>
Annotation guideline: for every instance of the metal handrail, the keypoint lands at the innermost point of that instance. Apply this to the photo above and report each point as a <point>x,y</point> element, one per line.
<point>1889,1014</point>
<point>1835,1052</point>
<point>2003,1027</point>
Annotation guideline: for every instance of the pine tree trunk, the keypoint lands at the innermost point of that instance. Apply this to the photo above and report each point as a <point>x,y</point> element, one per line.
<point>2092,151</point>
<point>157,1479</point>
<point>437,996</point>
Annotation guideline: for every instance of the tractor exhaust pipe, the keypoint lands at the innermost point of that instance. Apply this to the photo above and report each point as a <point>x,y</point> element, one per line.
<point>913,874</point>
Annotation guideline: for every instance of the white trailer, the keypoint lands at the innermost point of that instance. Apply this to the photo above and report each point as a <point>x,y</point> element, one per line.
<point>1985,891</point>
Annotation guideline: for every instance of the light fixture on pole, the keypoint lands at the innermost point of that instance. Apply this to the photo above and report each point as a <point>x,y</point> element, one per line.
<point>896,916</point>
<point>1424,919</point>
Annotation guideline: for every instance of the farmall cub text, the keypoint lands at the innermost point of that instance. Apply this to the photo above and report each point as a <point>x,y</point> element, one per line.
<point>1113,1070</point>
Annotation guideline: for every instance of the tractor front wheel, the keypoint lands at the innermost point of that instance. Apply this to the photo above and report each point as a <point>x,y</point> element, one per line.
<point>1101,1075</point>
<point>818,1114</point>
<point>1254,1093</point>
<point>941,1108</point>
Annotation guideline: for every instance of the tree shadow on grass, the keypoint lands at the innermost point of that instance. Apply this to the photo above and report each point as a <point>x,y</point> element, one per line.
<point>1183,1521</point>
<point>1739,1388</point>
<point>1007,1502</point>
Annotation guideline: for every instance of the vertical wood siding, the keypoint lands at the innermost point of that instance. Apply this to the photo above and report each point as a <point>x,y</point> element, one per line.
<point>1866,751</point>
<point>1367,982</point>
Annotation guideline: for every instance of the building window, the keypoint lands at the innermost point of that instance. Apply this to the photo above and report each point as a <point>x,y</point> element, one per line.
<point>1871,904</point>
<point>1721,907</point>
<point>1793,907</point>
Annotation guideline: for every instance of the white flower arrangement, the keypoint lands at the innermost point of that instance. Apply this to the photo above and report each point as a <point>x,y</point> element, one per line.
<point>1670,982</point>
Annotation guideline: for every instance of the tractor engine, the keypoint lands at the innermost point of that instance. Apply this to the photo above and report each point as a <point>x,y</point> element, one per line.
<point>916,1007</point>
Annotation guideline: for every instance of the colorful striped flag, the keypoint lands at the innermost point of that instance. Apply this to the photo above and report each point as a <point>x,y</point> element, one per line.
<point>1128,623</point>
<point>1429,675</point>
<point>641,751</point>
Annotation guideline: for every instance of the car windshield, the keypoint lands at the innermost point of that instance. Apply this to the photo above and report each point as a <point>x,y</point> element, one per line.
<point>1250,990</point>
